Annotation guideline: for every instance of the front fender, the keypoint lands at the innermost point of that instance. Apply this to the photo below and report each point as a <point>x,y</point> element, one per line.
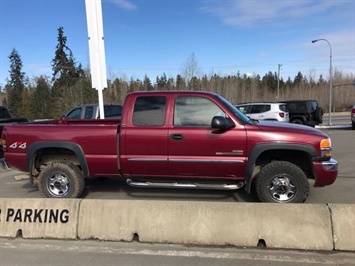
<point>260,148</point>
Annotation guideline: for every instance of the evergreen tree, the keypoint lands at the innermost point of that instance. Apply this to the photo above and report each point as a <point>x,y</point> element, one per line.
<point>321,79</point>
<point>270,81</point>
<point>204,83</point>
<point>16,84</point>
<point>87,94</point>
<point>119,90</point>
<point>63,64</point>
<point>147,84</point>
<point>180,83</point>
<point>26,104</point>
<point>298,79</point>
<point>161,82</point>
<point>170,84</point>
<point>65,76</point>
<point>135,85</point>
<point>289,82</point>
<point>41,98</point>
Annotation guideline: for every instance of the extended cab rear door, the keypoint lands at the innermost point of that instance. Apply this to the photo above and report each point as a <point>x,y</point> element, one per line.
<point>143,138</point>
<point>197,150</point>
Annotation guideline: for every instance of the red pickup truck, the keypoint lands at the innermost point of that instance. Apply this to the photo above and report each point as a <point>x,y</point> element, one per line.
<point>174,139</point>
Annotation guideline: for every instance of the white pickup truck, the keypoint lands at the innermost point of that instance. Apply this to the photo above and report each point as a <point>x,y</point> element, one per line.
<point>92,111</point>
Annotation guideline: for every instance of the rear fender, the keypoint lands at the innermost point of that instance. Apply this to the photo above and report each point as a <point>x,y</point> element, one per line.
<point>75,148</point>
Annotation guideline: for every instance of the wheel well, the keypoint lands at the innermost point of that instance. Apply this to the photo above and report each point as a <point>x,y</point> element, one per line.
<point>300,158</point>
<point>45,156</point>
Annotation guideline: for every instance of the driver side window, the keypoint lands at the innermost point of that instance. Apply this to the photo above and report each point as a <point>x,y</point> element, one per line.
<point>192,111</point>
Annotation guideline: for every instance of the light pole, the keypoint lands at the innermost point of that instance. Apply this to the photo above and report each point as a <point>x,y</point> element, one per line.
<point>278,83</point>
<point>330,80</point>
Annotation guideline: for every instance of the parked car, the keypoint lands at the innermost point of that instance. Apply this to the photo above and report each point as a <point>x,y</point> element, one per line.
<point>91,111</point>
<point>353,117</point>
<point>265,111</point>
<point>305,112</point>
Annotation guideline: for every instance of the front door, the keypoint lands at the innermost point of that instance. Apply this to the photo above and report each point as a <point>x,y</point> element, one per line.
<point>197,150</point>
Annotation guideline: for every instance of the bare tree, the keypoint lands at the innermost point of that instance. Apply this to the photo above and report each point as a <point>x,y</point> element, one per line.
<point>189,70</point>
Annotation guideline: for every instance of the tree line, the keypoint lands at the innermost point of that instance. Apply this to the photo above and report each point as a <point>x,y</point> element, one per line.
<point>46,97</point>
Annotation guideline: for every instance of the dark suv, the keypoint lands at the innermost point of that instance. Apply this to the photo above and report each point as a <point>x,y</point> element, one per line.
<point>305,112</point>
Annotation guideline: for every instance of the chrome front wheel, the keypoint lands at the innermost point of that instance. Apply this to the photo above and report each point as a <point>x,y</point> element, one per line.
<point>282,188</point>
<point>282,182</point>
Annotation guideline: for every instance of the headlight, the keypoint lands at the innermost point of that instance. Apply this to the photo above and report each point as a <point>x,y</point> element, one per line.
<point>326,147</point>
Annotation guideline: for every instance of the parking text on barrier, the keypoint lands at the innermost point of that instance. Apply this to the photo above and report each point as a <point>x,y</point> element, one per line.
<point>35,215</point>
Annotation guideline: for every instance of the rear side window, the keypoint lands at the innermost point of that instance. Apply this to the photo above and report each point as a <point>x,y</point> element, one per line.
<point>260,108</point>
<point>245,109</point>
<point>149,111</point>
<point>298,107</point>
<point>89,110</point>
<point>283,107</point>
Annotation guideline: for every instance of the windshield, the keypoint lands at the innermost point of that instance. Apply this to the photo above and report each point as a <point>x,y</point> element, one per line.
<point>243,118</point>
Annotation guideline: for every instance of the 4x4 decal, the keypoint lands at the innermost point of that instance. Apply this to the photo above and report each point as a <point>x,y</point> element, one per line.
<point>18,145</point>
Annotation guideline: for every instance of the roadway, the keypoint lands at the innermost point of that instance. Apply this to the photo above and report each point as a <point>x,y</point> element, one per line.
<point>24,252</point>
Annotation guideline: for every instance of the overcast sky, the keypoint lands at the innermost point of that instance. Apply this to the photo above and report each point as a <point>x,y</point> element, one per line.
<point>152,37</point>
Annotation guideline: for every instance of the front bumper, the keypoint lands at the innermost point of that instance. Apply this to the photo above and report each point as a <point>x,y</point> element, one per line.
<point>325,172</point>
<point>331,165</point>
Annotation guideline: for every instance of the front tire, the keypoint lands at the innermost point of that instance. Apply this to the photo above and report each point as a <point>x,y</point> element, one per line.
<point>282,182</point>
<point>61,180</point>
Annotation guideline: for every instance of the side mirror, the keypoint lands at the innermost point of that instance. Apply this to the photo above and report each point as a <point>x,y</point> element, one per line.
<point>221,123</point>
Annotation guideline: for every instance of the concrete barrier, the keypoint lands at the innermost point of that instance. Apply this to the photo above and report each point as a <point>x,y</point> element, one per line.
<point>39,218</point>
<point>286,226</point>
<point>343,218</point>
<point>290,226</point>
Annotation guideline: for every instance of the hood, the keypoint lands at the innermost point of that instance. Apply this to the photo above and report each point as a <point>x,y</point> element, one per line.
<point>287,127</point>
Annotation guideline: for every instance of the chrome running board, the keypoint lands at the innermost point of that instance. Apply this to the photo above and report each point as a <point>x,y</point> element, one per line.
<point>150,184</point>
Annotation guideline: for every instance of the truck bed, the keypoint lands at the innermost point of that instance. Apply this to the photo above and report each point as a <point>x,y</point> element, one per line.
<point>100,150</point>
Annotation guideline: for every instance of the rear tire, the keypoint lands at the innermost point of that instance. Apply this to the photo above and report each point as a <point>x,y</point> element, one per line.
<point>282,182</point>
<point>61,180</point>
<point>353,126</point>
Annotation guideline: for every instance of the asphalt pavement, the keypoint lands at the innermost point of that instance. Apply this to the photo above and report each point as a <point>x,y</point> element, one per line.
<point>25,252</point>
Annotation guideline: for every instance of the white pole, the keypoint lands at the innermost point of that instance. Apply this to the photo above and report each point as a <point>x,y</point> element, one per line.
<point>96,49</point>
